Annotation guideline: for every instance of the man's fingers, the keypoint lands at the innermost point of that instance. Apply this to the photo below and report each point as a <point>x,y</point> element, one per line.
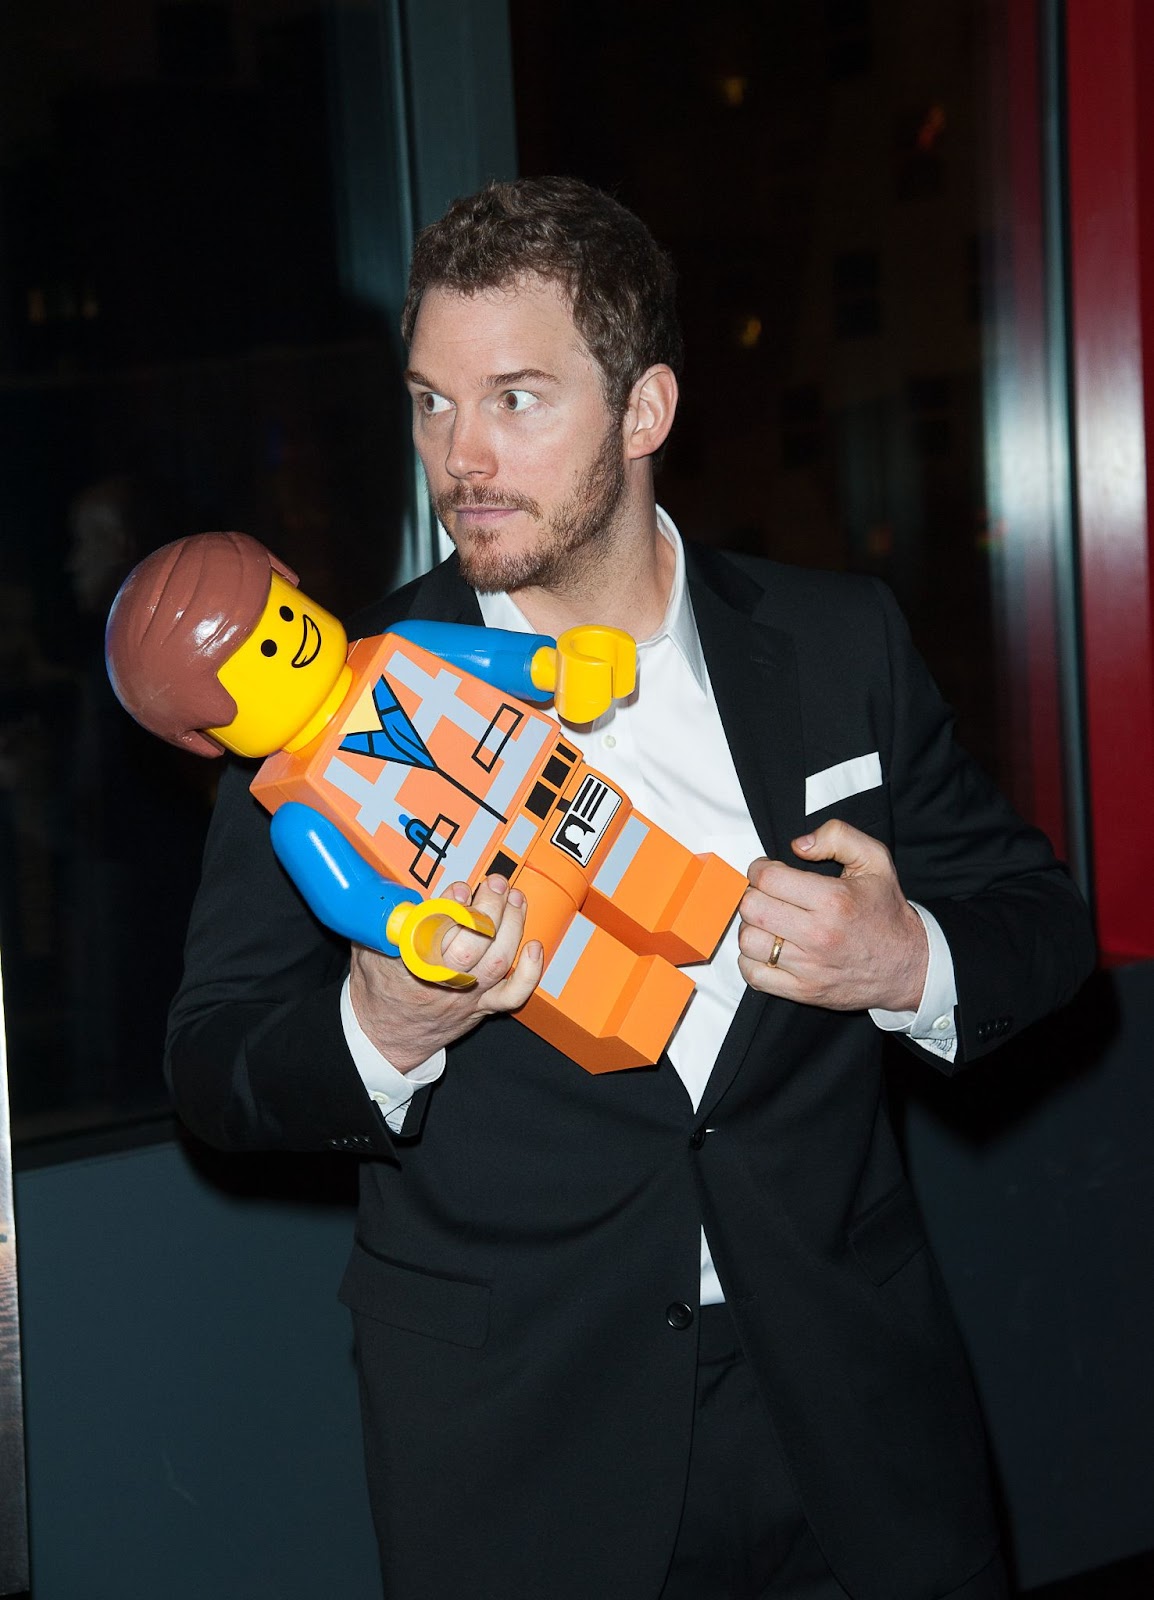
<point>496,960</point>
<point>408,1020</point>
<point>513,991</point>
<point>769,980</point>
<point>782,885</point>
<point>845,942</point>
<point>461,947</point>
<point>759,944</point>
<point>777,892</point>
<point>772,883</point>
<point>838,841</point>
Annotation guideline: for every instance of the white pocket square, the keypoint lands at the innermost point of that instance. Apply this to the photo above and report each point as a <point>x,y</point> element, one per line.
<point>827,787</point>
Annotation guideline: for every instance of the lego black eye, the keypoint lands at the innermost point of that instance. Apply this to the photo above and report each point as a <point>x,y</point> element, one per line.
<point>268,647</point>
<point>286,613</point>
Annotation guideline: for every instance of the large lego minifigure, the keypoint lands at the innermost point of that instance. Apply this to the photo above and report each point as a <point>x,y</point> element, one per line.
<point>415,761</point>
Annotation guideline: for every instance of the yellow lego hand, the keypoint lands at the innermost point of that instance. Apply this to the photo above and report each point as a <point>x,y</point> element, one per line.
<point>417,931</point>
<point>590,667</point>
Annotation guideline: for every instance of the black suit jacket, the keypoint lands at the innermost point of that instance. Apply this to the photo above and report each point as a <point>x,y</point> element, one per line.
<point>527,1398</point>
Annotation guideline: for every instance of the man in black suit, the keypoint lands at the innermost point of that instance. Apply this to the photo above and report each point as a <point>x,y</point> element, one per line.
<point>674,1331</point>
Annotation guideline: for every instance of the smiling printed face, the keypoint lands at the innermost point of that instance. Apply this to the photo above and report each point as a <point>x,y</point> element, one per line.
<point>282,674</point>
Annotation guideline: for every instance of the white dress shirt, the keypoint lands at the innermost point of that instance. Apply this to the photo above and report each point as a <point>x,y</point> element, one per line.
<point>641,744</point>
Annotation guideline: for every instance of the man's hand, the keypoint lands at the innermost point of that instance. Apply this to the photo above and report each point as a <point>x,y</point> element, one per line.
<point>409,1020</point>
<point>850,943</point>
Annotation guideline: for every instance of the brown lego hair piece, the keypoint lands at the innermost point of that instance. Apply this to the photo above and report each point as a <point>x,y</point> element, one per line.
<point>178,617</point>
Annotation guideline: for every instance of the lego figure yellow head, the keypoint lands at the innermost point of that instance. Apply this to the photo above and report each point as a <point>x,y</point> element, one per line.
<point>211,645</point>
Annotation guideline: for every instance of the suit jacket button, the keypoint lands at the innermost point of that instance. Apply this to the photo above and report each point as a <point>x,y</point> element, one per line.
<point>679,1315</point>
<point>697,1138</point>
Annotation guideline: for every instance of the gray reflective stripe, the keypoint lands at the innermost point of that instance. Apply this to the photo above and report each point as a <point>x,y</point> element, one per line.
<point>569,952</point>
<point>521,835</point>
<point>619,859</point>
<point>439,699</point>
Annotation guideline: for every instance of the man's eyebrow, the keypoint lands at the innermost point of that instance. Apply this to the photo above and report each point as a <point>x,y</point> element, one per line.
<point>496,380</point>
<point>505,380</point>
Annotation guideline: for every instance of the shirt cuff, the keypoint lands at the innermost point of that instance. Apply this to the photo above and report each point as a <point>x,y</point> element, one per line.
<point>387,1088</point>
<point>932,1025</point>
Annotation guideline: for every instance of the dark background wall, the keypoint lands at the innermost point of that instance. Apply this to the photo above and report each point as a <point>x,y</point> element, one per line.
<point>191,1407</point>
<point>1035,1181</point>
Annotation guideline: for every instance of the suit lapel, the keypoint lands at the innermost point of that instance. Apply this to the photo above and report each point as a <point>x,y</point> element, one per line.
<point>439,595</point>
<point>443,595</point>
<point>753,670</point>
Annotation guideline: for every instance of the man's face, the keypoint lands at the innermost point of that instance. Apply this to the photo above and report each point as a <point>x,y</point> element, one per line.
<point>524,461</point>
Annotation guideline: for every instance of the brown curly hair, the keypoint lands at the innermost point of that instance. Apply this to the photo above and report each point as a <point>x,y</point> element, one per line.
<point>621,284</point>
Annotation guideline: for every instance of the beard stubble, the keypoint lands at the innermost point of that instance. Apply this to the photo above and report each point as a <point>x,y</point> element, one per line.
<point>568,542</point>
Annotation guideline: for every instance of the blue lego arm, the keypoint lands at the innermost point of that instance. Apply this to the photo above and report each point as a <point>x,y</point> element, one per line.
<point>352,898</point>
<point>494,655</point>
<point>582,672</point>
<point>337,882</point>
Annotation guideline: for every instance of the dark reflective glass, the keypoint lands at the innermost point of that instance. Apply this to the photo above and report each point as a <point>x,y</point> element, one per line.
<point>200,268</point>
<point>830,179</point>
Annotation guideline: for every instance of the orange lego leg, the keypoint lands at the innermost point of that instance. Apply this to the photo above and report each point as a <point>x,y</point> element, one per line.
<point>602,1004</point>
<point>657,896</point>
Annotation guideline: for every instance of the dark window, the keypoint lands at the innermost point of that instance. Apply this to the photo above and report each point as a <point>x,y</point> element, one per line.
<point>848,38</point>
<point>189,339</point>
<point>857,311</point>
<point>802,426</point>
<point>819,210</point>
<point>919,153</point>
<point>931,403</point>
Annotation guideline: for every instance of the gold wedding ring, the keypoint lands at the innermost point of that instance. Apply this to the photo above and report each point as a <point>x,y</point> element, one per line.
<point>775,953</point>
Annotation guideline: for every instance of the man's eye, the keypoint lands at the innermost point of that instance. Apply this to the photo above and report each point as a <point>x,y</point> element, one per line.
<point>432,404</point>
<point>517,400</point>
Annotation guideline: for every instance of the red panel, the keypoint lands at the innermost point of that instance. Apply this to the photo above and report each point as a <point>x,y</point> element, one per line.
<point>1111,290</point>
<point>1035,688</point>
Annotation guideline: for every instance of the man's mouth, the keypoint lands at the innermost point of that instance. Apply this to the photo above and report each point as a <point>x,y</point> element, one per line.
<point>484,516</point>
<point>484,507</point>
<point>309,647</point>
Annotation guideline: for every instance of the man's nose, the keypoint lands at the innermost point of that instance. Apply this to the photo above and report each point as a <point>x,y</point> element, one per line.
<point>471,452</point>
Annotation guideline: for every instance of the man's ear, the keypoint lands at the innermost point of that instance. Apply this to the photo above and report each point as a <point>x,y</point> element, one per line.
<point>649,412</point>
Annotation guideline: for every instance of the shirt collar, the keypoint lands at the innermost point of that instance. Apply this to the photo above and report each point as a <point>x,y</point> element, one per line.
<point>678,624</point>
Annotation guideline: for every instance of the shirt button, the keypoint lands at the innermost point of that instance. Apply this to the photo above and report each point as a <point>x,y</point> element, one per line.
<point>942,1025</point>
<point>679,1315</point>
<point>608,742</point>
